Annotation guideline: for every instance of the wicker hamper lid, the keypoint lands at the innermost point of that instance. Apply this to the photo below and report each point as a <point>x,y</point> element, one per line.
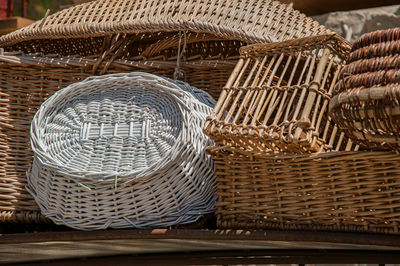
<point>373,61</point>
<point>246,20</point>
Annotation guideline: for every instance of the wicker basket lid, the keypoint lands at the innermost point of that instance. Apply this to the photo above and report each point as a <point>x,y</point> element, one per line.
<point>245,20</point>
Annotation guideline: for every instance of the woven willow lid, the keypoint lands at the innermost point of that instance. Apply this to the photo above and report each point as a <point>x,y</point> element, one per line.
<point>245,20</point>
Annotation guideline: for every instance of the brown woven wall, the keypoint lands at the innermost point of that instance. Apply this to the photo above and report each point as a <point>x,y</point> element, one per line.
<point>366,102</point>
<point>335,191</point>
<point>22,90</point>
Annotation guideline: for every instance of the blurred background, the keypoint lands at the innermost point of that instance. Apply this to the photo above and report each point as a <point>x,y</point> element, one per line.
<point>34,9</point>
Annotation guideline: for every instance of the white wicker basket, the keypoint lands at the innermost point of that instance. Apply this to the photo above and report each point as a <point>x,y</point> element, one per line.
<point>123,150</point>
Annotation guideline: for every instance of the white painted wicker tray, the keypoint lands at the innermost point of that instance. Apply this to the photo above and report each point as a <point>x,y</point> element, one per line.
<point>123,150</point>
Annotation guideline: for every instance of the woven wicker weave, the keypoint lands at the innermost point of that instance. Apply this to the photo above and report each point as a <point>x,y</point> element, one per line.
<point>277,97</point>
<point>201,38</point>
<point>335,191</point>
<point>245,20</point>
<point>123,150</point>
<point>367,102</point>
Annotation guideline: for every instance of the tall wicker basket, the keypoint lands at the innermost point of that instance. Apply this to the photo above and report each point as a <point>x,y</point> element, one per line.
<point>198,41</point>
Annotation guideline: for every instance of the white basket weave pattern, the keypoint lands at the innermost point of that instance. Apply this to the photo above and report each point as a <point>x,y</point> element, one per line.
<point>123,150</point>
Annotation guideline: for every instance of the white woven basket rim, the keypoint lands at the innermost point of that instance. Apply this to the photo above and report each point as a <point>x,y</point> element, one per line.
<point>182,98</point>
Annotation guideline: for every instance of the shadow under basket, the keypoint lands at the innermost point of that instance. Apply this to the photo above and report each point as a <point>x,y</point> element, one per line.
<point>335,191</point>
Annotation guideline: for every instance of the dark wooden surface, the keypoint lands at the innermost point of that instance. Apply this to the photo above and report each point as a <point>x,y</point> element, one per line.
<point>243,257</point>
<point>392,240</point>
<point>75,245</point>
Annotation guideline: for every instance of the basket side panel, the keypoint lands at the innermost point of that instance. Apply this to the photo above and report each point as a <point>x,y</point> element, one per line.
<point>23,88</point>
<point>343,192</point>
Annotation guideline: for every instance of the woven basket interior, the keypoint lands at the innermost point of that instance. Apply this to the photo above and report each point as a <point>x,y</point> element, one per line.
<point>91,128</point>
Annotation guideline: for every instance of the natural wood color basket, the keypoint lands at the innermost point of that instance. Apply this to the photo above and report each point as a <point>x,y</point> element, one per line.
<point>277,97</point>
<point>197,40</point>
<point>335,191</point>
<point>366,103</point>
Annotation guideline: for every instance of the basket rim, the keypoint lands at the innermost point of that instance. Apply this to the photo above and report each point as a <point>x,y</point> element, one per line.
<point>213,150</point>
<point>177,148</point>
<point>71,60</point>
<point>332,41</point>
<point>363,95</point>
<point>83,20</point>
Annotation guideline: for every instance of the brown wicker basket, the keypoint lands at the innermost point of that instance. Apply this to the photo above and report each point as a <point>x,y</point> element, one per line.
<point>277,97</point>
<point>198,41</point>
<point>366,105</point>
<point>335,191</point>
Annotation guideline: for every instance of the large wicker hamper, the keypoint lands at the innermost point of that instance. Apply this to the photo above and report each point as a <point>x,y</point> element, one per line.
<point>196,40</point>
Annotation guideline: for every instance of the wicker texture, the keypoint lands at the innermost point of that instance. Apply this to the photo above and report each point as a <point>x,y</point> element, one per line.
<point>335,191</point>
<point>258,21</point>
<point>366,104</point>
<point>198,41</point>
<point>123,150</point>
<point>24,86</point>
<point>277,97</point>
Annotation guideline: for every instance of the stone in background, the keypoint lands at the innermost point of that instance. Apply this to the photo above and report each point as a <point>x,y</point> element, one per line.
<point>352,24</point>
